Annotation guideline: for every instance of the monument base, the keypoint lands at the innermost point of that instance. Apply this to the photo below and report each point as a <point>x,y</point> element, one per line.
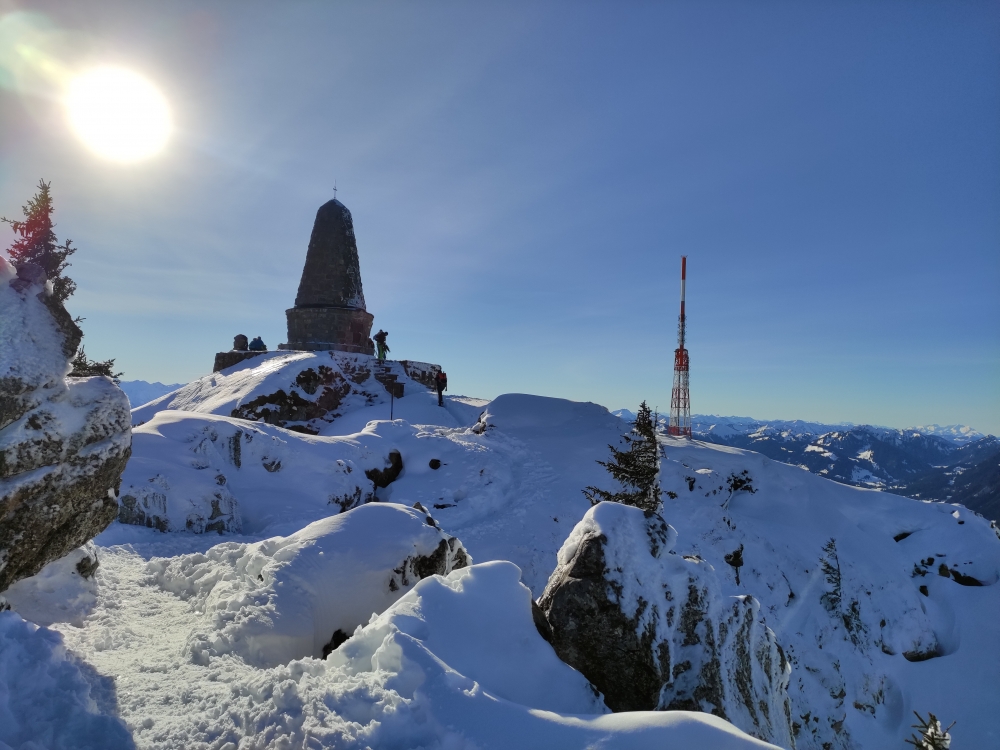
<point>325,328</point>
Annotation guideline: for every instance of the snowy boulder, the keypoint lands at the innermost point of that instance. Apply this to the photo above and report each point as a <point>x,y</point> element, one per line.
<point>458,657</point>
<point>449,617</point>
<point>651,629</point>
<point>302,595</point>
<point>63,444</point>
<point>204,473</point>
<point>65,590</point>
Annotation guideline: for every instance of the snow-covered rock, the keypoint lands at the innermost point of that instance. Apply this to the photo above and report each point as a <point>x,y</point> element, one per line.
<point>302,391</point>
<point>851,581</point>
<point>200,472</point>
<point>63,444</point>
<point>651,629</point>
<point>65,590</point>
<point>304,594</point>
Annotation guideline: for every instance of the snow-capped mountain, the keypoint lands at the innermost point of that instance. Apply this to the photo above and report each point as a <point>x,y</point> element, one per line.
<point>959,434</point>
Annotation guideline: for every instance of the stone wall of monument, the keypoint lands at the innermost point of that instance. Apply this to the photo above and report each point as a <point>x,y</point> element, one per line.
<point>319,328</point>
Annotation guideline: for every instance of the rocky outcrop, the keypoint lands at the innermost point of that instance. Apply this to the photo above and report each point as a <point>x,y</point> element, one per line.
<point>315,396</point>
<point>651,630</point>
<point>63,444</point>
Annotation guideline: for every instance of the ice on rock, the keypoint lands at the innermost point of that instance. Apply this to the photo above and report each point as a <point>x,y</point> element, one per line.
<point>301,595</point>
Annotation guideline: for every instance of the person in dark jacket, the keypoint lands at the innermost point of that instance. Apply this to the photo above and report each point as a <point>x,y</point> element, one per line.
<point>381,347</point>
<point>258,345</point>
<point>441,381</point>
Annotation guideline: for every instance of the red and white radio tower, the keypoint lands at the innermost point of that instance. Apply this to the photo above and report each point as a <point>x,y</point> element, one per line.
<point>680,398</point>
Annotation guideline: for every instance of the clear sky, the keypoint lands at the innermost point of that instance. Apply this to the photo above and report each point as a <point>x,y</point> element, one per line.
<point>524,178</point>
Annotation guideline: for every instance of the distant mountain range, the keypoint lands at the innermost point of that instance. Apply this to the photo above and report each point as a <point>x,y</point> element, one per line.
<point>954,463</point>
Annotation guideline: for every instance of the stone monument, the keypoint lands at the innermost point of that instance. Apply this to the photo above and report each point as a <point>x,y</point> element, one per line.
<point>329,310</point>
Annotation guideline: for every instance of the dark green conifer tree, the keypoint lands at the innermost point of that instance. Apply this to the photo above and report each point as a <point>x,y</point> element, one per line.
<point>636,467</point>
<point>83,367</point>
<point>36,243</point>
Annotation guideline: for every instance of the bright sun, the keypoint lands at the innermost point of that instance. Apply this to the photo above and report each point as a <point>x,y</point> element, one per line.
<point>118,114</point>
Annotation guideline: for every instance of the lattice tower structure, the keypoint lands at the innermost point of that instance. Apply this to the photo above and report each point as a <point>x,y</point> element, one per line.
<point>680,397</point>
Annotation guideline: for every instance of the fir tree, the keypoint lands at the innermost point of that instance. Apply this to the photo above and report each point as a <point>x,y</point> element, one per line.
<point>636,467</point>
<point>830,565</point>
<point>83,367</point>
<point>36,243</point>
<point>933,736</point>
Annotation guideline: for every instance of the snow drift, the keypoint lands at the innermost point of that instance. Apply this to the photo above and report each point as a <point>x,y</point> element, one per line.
<point>302,595</point>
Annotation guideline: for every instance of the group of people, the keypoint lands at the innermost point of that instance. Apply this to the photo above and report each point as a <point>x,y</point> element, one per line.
<point>242,344</point>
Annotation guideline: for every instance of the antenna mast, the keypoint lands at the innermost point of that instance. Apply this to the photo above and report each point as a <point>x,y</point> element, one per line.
<point>680,397</point>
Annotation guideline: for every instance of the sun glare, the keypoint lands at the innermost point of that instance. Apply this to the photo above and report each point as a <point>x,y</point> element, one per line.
<point>118,114</point>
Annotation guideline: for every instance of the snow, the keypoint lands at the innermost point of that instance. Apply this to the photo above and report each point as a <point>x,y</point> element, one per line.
<point>518,667</point>
<point>177,635</point>
<point>141,392</point>
<point>959,434</point>
<point>784,528</point>
<point>30,342</point>
<point>50,698</point>
<point>455,663</point>
<point>57,593</point>
<point>283,598</point>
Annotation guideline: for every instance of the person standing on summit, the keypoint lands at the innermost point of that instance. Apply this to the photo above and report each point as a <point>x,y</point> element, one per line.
<point>441,382</point>
<point>381,347</point>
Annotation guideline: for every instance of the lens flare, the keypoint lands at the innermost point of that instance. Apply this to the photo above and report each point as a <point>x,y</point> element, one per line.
<point>118,114</point>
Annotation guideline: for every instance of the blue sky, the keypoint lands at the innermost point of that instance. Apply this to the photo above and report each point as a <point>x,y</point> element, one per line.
<point>524,178</point>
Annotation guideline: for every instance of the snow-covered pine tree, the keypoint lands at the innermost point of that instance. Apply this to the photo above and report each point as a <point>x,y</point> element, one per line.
<point>636,468</point>
<point>36,243</point>
<point>933,736</point>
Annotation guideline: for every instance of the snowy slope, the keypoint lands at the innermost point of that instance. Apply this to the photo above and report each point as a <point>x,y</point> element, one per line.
<point>509,487</point>
<point>851,657</point>
<point>141,392</point>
